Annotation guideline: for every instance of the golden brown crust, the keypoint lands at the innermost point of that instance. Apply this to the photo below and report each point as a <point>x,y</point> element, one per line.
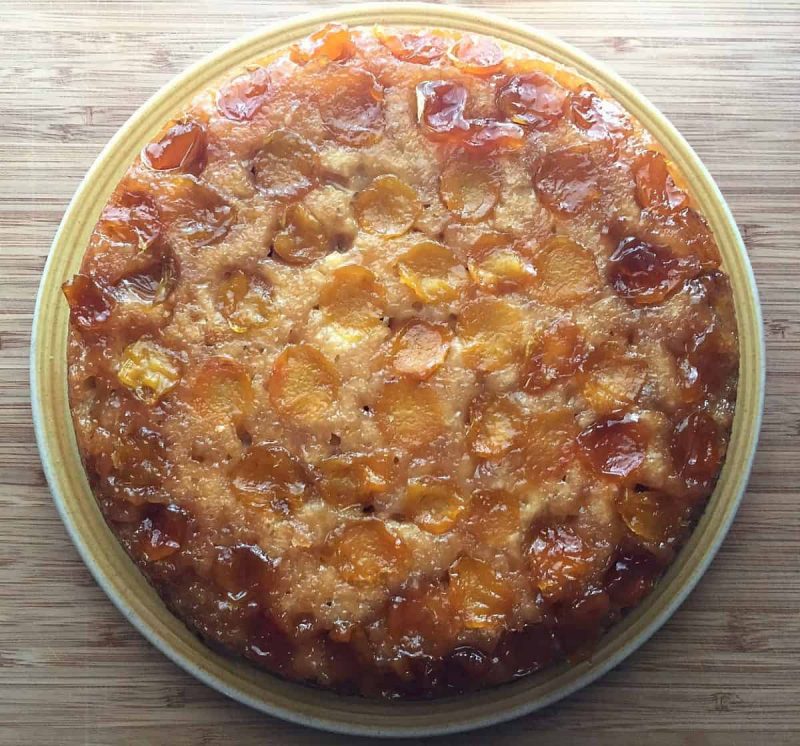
<point>402,363</point>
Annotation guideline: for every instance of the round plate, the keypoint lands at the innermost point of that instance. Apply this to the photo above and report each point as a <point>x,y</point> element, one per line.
<point>128,589</point>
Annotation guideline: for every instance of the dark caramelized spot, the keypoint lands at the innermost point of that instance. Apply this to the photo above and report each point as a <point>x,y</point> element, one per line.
<point>644,273</point>
<point>533,100</point>
<point>420,48</point>
<point>697,449</point>
<point>161,533</point>
<point>242,568</point>
<point>632,574</point>
<point>655,187</point>
<point>600,117</point>
<point>90,304</point>
<point>466,667</point>
<point>331,43</point>
<point>615,446</point>
<point>579,625</point>
<point>242,98</point>
<point>268,645</point>
<point>533,648</point>
<point>181,148</point>
<point>440,114</point>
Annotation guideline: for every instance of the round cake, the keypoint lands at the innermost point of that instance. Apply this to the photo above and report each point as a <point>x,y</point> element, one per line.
<point>402,363</point>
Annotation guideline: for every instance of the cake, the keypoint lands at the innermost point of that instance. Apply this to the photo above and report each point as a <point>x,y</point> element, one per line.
<point>402,362</point>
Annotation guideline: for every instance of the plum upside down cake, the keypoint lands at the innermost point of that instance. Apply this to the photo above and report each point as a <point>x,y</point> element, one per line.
<point>402,362</point>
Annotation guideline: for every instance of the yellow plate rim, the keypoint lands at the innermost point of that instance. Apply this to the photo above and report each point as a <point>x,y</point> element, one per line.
<point>127,588</point>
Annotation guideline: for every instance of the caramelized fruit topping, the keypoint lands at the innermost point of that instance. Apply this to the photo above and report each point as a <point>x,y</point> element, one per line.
<point>600,117</point>
<point>568,181</point>
<point>302,238</point>
<point>422,48</point>
<point>479,594</point>
<point>388,206</point>
<point>557,352</point>
<point>432,271</point>
<point>366,553</point>
<point>350,102</point>
<point>181,148</point>
<point>615,446</point>
<point>286,165</point>
<point>655,187</point>
<point>244,300</point>
<point>161,533</point>
<point>469,188</point>
<point>419,348</point>
<point>476,55</point>
<point>533,100</point>
<point>242,98</point>
<point>148,370</point>
<point>433,504</point>
<point>267,475</point>
<point>331,43</point>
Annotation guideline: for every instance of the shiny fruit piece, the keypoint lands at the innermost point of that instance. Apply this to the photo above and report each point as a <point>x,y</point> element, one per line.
<point>598,116</point>
<point>495,424</point>
<point>476,55</point>
<point>697,449</point>
<point>655,187</point>
<point>131,220</point>
<point>422,617</point>
<point>302,238</point>
<point>148,371</point>
<point>533,100</point>
<point>181,148</point>
<point>440,110</point>
<point>304,385</point>
<point>268,646</point>
<point>481,597</point>
<point>489,135</point>
<point>244,96</point>
<point>556,353</point>
<point>419,48</point>
<point>352,302</point>
<point>567,181</point>
<point>470,189</point>
<point>495,263</point>
<point>614,384</point>
<point>686,233</point>
<point>161,533</point>
<point>432,271</point>
<point>614,446</point>
<point>567,272</point>
<point>493,333</point>
<point>493,517</point>
<point>241,569</point>
<point>355,478</point>
<point>645,273</point>
<point>653,516</point>
<point>195,212</point>
<point>285,165</point>
<point>333,42</point>
<point>420,348</point>
<point>152,285</point>
<point>631,576</point>
<point>388,206</point>
<point>409,413</point>
<point>548,441</point>
<point>563,562</point>
<point>350,102</point>
<point>433,504</point>
<point>466,668</point>
<point>366,553</point>
<point>90,304</point>
<point>244,300</point>
<point>268,475</point>
<point>222,390</point>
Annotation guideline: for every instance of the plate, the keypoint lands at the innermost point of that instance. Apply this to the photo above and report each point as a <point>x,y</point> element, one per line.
<point>129,590</point>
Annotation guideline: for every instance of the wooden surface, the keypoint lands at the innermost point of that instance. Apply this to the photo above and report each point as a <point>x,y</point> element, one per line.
<point>724,670</point>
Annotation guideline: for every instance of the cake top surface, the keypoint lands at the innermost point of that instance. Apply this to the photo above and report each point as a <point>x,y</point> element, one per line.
<point>402,362</point>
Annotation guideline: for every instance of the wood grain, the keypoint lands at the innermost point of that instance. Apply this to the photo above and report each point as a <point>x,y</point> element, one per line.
<point>724,670</point>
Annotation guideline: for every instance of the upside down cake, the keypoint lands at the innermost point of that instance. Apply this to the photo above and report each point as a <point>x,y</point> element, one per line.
<point>402,362</point>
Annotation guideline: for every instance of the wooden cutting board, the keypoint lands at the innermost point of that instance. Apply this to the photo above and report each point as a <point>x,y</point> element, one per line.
<point>724,670</point>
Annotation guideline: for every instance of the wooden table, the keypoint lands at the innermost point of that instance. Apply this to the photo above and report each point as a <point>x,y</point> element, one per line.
<point>724,670</point>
